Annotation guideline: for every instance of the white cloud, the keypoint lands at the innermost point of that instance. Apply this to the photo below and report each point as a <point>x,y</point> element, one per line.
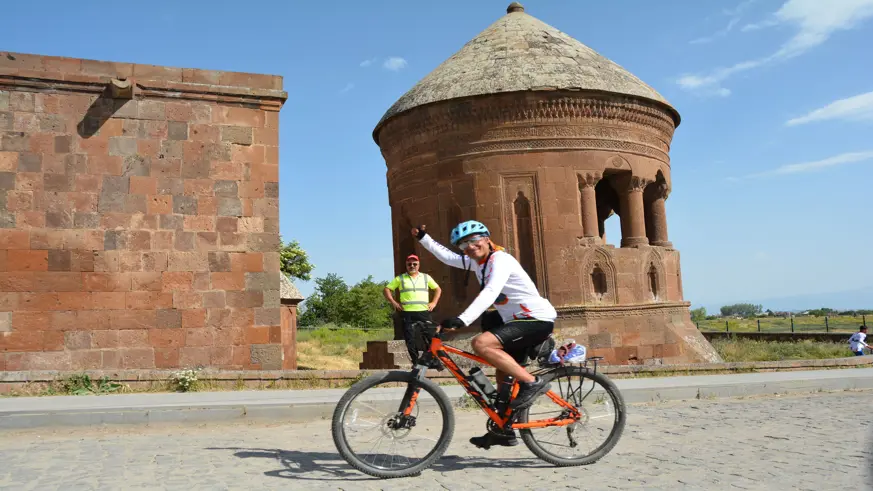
<point>395,63</point>
<point>857,108</point>
<point>347,88</point>
<point>735,15</point>
<point>845,158</point>
<point>814,21</point>
<point>721,33</point>
<point>366,63</point>
<point>759,25</point>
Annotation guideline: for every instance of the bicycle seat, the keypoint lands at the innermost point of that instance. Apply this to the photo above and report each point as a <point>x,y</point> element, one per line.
<point>540,352</point>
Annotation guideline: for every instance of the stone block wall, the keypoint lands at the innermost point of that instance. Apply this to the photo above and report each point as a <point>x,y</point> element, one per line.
<point>137,231</point>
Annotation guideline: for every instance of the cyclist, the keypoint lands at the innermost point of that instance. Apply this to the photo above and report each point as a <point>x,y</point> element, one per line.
<point>522,319</point>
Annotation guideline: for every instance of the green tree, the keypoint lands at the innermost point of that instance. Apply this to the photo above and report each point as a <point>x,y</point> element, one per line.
<point>365,306</point>
<point>698,314</point>
<point>822,312</point>
<point>325,303</point>
<point>294,261</point>
<point>741,310</point>
<point>362,305</point>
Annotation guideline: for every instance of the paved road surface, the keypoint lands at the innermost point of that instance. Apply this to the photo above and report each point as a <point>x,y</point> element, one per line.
<point>815,442</point>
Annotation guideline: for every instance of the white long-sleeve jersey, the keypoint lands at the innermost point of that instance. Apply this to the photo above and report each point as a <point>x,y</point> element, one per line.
<point>507,286</point>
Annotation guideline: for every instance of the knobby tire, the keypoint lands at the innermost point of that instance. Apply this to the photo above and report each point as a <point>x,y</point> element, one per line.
<point>426,385</point>
<point>621,416</point>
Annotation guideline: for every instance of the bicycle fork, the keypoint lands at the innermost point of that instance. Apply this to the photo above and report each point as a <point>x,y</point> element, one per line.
<point>410,397</point>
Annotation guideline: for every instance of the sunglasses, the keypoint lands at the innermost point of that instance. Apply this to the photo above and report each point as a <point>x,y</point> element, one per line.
<point>412,264</point>
<point>470,240</point>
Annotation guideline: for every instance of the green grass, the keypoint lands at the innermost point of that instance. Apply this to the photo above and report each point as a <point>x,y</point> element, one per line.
<point>801,324</point>
<point>331,347</point>
<point>754,350</point>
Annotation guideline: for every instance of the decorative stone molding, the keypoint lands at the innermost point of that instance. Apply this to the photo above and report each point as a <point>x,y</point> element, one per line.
<point>36,73</point>
<point>518,122</point>
<point>623,310</point>
<point>618,162</point>
<point>527,107</point>
<point>632,184</point>
<point>589,179</point>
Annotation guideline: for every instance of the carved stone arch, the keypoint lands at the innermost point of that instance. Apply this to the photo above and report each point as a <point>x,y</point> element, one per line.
<point>664,169</point>
<point>521,221</point>
<point>599,278</point>
<point>654,278</point>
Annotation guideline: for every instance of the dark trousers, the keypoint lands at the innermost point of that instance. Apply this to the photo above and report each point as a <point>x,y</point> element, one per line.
<point>408,319</point>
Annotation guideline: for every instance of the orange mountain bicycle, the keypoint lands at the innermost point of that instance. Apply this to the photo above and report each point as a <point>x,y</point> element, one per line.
<point>577,422</point>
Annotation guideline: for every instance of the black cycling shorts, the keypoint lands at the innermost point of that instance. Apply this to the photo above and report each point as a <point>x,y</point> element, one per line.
<point>517,336</point>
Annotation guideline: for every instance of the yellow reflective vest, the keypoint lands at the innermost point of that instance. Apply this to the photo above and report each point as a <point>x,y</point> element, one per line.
<point>414,292</point>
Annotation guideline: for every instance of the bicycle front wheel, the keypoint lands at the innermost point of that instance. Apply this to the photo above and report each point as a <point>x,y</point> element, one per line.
<point>591,437</point>
<point>373,434</point>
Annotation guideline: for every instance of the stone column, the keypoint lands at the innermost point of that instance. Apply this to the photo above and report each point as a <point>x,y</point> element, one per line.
<point>659,218</point>
<point>633,220</point>
<point>590,225</point>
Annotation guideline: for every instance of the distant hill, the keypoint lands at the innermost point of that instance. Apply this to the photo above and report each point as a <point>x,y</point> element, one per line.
<point>861,298</point>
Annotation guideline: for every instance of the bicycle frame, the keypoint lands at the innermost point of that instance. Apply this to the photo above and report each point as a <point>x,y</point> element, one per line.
<point>441,351</point>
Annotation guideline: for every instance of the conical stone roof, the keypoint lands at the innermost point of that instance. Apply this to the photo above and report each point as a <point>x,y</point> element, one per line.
<point>520,53</point>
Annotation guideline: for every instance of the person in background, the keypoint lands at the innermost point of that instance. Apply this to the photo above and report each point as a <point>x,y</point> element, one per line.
<point>857,342</point>
<point>414,295</point>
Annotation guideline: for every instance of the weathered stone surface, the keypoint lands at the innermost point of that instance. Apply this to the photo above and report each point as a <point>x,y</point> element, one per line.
<point>184,205</point>
<point>229,207</point>
<point>115,215</point>
<point>178,130</point>
<point>267,356</point>
<point>135,165</point>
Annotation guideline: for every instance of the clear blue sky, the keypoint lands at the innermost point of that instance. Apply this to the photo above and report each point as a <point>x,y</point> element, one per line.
<point>772,163</point>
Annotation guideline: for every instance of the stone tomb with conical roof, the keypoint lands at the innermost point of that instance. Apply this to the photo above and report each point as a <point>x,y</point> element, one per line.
<point>542,139</point>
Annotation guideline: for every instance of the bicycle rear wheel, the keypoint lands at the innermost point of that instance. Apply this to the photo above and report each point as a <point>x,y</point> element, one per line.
<point>597,431</point>
<point>367,434</point>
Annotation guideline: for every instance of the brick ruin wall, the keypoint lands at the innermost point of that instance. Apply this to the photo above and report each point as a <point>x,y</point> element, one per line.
<point>138,232</point>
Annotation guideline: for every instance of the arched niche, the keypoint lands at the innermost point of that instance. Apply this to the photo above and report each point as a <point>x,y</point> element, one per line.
<point>654,278</point>
<point>599,278</point>
<point>524,235</point>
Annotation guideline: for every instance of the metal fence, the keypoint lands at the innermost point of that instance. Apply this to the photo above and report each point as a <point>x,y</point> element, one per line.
<point>790,324</point>
<point>342,327</point>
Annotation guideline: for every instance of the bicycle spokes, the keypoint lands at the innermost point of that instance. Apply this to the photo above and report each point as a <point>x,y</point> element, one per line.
<point>584,427</point>
<point>392,434</point>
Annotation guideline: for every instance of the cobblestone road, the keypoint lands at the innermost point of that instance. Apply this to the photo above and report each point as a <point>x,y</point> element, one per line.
<point>815,442</point>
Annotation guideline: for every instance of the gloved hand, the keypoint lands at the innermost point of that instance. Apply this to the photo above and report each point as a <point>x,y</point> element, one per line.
<point>452,324</point>
<point>419,232</point>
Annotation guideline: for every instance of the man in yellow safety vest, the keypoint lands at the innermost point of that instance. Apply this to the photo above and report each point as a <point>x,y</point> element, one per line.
<point>415,304</point>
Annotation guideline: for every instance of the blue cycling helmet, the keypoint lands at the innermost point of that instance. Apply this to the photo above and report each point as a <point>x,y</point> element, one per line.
<point>466,229</point>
